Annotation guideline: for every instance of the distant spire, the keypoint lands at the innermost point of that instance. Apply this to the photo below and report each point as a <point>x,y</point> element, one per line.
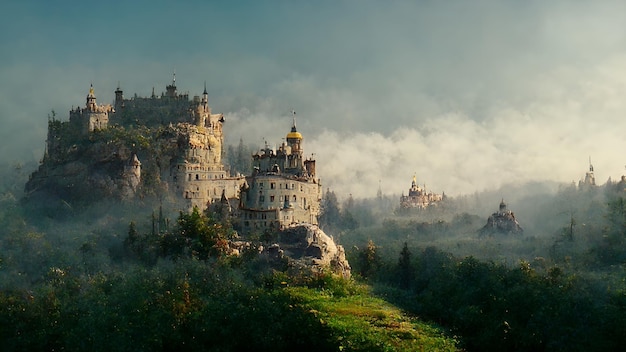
<point>293,128</point>
<point>174,78</point>
<point>590,165</point>
<point>205,88</point>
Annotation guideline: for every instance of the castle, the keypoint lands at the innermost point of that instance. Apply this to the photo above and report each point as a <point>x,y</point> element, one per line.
<point>282,188</point>
<point>418,197</point>
<point>177,144</point>
<point>503,221</point>
<point>590,180</point>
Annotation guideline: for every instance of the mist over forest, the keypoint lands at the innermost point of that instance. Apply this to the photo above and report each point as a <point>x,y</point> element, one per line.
<point>548,284</point>
<point>483,101</point>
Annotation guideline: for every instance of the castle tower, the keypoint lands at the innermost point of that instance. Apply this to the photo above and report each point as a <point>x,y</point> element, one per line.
<point>502,206</point>
<point>170,90</point>
<point>203,113</point>
<point>205,98</point>
<point>294,138</point>
<point>119,97</point>
<point>90,105</point>
<point>132,176</point>
<point>590,178</point>
<point>93,117</point>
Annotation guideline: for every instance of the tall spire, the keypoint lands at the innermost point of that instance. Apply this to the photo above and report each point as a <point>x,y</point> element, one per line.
<point>293,128</point>
<point>91,99</point>
<point>205,93</point>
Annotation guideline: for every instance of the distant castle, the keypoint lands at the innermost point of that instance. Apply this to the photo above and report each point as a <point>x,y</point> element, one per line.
<point>282,189</point>
<point>418,197</point>
<point>589,180</point>
<point>503,221</point>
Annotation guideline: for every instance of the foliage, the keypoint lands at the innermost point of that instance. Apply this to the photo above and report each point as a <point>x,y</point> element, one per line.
<point>368,261</point>
<point>332,217</point>
<point>496,308</point>
<point>195,306</point>
<point>613,250</point>
<point>196,235</point>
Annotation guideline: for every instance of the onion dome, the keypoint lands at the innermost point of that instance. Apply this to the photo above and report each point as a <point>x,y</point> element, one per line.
<point>294,134</point>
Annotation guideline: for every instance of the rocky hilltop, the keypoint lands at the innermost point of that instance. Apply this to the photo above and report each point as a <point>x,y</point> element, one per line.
<point>306,245</point>
<point>171,147</point>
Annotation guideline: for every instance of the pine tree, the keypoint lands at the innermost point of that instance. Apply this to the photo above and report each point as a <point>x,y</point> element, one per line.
<point>404,267</point>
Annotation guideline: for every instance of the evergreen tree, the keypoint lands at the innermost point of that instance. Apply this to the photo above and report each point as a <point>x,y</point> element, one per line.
<point>369,260</point>
<point>405,270</point>
<point>330,216</point>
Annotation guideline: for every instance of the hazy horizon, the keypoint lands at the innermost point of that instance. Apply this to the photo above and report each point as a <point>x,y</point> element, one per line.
<point>466,96</point>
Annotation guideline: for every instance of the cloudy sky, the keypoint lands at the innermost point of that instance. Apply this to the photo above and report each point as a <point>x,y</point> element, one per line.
<point>467,95</point>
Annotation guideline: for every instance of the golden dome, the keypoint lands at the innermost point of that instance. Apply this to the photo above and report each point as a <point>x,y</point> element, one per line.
<point>294,135</point>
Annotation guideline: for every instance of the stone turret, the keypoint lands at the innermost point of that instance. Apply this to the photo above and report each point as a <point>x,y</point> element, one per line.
<point>93,116</point>
<point>131,176</point>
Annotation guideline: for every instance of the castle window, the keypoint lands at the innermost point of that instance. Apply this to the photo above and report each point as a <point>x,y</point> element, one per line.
<point>260,184</point>
<point>294,198</point>
<point>272,185</point>
<point>293,186</point>
<point>271,198</point>
<point>261,199</point>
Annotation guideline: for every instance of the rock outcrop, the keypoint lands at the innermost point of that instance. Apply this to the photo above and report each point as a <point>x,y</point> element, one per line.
<point>306,245</point>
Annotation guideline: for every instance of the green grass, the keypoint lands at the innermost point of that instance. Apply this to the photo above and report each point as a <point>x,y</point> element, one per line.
<point>360,322</point>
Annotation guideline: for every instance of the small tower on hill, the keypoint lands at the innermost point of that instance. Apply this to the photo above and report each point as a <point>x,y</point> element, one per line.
<point>90,105</point>
<point>119,98</point>
<point>590,179</point>
<point>93,116</point>
<point>170,90</point>
<point>501,222</point>
<point>132,176</point>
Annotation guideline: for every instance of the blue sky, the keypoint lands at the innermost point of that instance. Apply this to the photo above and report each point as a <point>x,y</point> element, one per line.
<point>467,95</point>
